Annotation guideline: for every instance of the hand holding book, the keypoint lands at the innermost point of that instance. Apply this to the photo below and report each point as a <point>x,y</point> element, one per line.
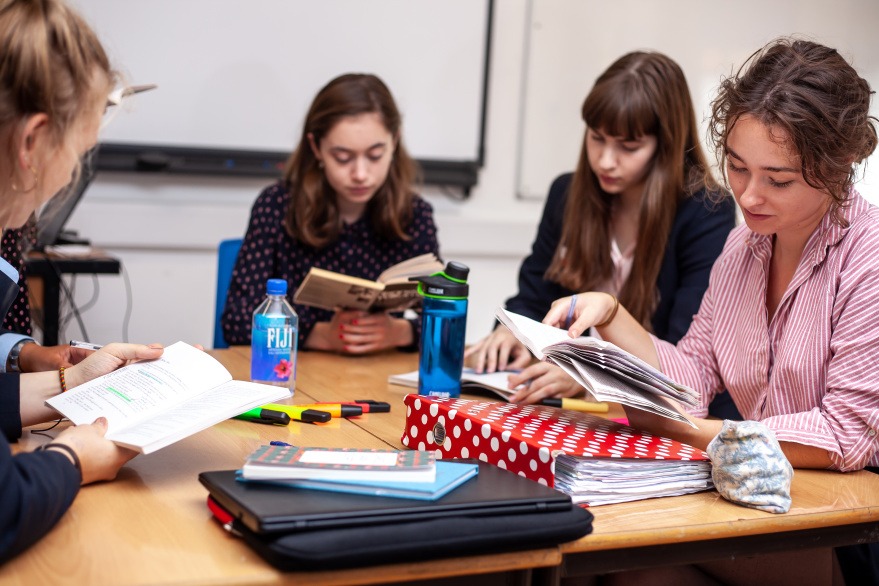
<point>606,371</point>
<point>391,291</point>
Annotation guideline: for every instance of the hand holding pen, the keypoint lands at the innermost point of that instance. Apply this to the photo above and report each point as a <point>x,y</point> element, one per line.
<point>33,357</point>
<point>580,312</point>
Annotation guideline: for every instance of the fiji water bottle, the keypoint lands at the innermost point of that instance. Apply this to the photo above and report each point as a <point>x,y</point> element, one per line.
<point>274,338</point>
<point>443,324</point>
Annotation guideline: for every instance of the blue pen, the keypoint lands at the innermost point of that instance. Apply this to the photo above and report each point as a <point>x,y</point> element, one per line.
<point>571,311</point>
<point>277,443</point>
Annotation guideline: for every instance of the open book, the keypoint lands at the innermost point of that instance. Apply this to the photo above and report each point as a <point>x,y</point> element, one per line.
<point>150,405</point>
<point>489,383</point>
<point>392,291</point>
<point>606,371</point>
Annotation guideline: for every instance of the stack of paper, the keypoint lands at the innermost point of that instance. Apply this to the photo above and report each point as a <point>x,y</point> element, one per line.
<point>606,371</point>
<point>602,481</point>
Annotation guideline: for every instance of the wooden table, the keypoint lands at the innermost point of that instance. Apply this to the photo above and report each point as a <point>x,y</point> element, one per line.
<point>829,508</point>
<point>151,526</point>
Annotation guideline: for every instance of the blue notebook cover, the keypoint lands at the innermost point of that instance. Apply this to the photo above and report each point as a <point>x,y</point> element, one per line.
<point>449,475</point>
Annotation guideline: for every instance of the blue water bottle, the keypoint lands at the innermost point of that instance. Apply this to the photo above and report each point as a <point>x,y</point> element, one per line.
<point>274,338</point>
<point>443,325</point>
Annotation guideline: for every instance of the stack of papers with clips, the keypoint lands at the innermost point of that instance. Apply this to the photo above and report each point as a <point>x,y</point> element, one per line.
<point>603,481</point>
<point>606,371</point>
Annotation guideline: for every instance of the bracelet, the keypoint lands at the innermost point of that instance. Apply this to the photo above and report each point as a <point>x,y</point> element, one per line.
<point>64,448</point>
<point>613,312</point>
<point>61,378</point>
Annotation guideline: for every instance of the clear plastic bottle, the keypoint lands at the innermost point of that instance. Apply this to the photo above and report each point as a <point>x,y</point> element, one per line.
<point>443,326</point>
<point>274,338</point>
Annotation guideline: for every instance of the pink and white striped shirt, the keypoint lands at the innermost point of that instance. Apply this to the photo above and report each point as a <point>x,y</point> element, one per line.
<point>812,373</point>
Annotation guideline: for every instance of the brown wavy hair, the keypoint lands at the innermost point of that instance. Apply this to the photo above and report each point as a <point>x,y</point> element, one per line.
<point>313,214</point>
<point>50,60</point>
<point>642,93</point>
<point>812,94</point>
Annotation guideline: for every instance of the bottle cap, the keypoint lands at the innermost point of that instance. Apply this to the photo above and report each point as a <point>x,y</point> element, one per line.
<point>450,283</point>
<point>276,287</point>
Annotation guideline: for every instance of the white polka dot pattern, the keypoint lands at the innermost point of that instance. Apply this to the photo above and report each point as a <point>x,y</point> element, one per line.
<point>526,438</point>
<point>268,251</point>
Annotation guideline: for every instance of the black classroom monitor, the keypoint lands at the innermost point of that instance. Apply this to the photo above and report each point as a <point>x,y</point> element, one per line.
<point>57,211</point>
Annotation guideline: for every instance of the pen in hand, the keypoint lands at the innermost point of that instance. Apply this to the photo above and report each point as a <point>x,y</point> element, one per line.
<point>85,345</point>
<point>571,311</point>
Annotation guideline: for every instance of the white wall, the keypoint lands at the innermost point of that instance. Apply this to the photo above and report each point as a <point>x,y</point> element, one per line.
<point>165,229</point>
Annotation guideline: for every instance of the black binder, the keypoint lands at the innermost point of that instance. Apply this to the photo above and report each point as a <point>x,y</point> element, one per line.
<point>404,536</point>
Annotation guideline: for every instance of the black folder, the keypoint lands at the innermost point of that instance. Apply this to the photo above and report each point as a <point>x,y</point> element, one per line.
<point>269,509</point>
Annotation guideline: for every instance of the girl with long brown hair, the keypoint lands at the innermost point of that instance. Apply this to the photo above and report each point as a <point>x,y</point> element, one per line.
<point>346,203</point>
<point>636,219</point>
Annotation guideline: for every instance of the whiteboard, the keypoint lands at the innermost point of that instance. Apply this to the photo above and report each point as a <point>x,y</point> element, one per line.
<point>239,74</point>
<point>571,42</point>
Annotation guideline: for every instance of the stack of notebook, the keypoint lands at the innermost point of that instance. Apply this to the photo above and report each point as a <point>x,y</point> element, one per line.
<point>409,474</point>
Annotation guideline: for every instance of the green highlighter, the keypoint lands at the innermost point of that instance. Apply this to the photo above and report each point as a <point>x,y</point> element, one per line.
<point>267,416</point>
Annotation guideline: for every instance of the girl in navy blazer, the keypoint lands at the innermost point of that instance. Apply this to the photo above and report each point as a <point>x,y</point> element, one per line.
<point>636,219</point>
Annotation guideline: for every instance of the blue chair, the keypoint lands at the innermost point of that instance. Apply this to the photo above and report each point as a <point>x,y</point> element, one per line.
<point>227,254</point>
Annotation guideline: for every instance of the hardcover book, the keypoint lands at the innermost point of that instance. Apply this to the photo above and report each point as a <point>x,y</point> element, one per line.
<point>449,476</point>
<point>392,291</point>
<point>297,463</point>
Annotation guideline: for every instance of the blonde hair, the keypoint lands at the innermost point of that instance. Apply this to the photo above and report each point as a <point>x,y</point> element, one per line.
<point>50,62</point>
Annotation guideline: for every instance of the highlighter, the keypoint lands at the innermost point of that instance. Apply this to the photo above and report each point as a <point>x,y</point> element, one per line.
<point>299,413</point>
<point>268,416</point>
<point>367,406</point>
<point>338,409</point>
<point>576,405</point>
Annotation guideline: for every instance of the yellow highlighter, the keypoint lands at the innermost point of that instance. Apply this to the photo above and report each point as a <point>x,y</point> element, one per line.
<point>304,414</point>
<point>576,405</point>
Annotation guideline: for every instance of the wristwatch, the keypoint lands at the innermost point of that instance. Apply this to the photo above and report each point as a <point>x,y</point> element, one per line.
<point>14,353</point>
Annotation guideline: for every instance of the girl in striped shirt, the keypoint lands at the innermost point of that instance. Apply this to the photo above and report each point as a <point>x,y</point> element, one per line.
<point>789,323</point>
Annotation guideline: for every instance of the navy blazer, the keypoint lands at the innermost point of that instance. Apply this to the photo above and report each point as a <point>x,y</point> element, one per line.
<point>36,488</point>
<point>697,237</point>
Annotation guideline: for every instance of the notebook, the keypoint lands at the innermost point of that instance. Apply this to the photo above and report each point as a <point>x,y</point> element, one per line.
<point>270,509</point>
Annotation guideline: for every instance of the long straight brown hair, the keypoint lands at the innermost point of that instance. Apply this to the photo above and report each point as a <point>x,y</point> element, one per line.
<point>313,214</point>
<point>642,93</point>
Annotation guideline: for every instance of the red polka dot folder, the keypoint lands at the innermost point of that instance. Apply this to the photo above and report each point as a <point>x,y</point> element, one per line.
<point>527,439</point>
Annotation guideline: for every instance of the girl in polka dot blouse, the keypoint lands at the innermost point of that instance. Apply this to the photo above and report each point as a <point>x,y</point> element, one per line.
<point>345,203</point>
